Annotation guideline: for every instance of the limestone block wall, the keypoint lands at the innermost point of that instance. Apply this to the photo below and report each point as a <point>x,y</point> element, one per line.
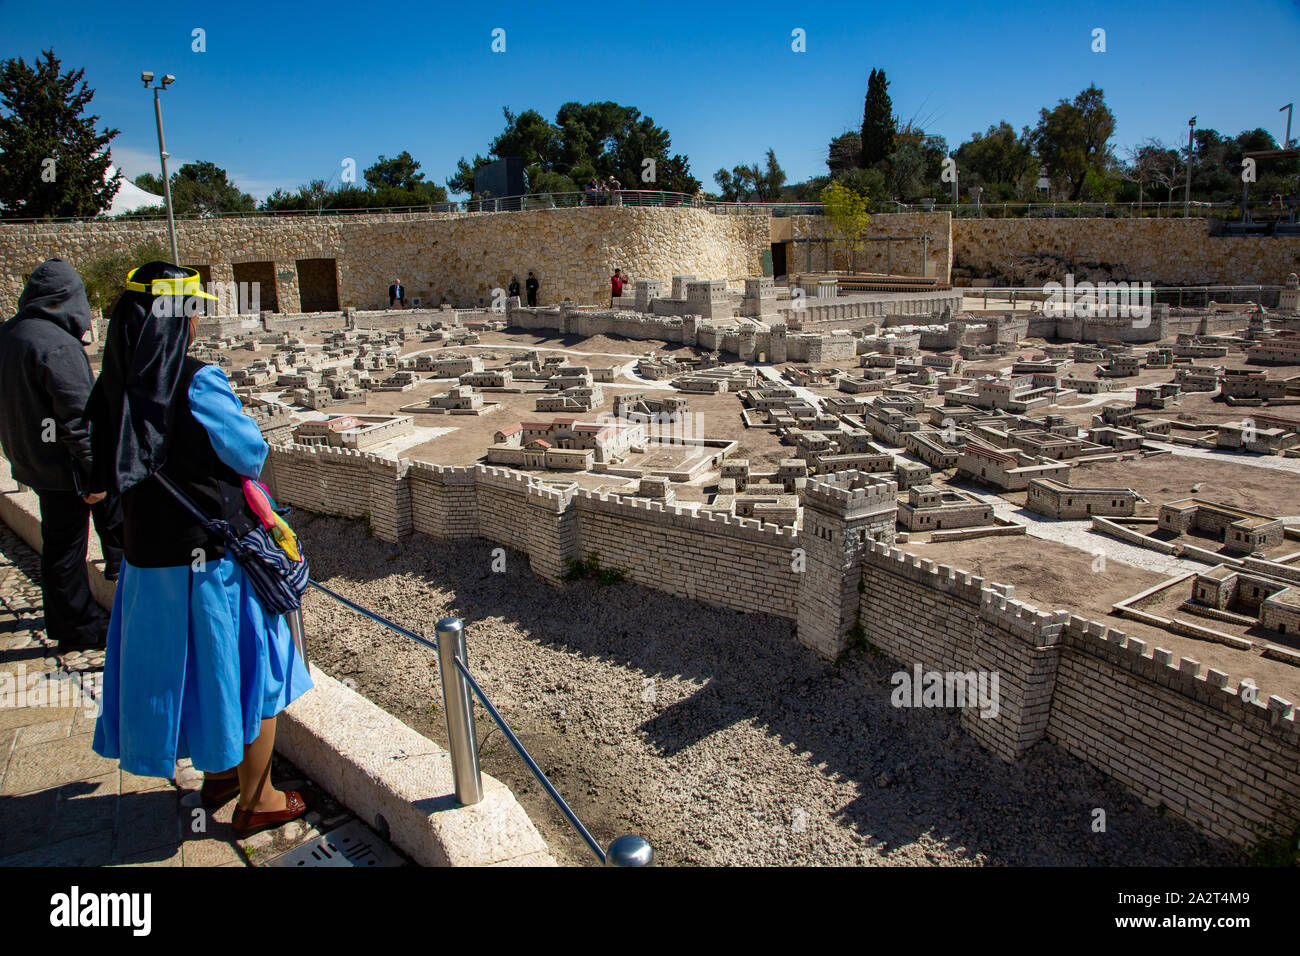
<point>458,257</point>
<point>897,258</point>
<point>1165,251</point>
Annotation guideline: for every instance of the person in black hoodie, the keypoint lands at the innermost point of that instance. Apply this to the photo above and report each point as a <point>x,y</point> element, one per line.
<point>45,380</point>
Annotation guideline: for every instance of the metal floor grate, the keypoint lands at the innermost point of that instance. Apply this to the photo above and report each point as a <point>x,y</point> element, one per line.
<point>352,844</point>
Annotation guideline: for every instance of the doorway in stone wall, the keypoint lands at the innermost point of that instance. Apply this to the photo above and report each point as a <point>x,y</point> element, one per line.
<point>263,274</point>
<point>318,285</point>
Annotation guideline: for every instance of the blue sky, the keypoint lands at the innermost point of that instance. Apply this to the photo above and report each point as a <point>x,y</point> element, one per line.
<point>284,93</point>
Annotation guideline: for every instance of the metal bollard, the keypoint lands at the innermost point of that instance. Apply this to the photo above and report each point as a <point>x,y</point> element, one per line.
<point>294,618</point>
<point>460,711</point>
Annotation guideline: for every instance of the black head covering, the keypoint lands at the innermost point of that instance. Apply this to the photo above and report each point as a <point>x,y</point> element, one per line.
<point>55,292</point>
<point>130,407</point>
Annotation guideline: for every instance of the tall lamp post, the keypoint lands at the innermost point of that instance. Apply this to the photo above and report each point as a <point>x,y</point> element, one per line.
<point>1287,109</point>
<point>1187,192</point>
<point>167,81</point>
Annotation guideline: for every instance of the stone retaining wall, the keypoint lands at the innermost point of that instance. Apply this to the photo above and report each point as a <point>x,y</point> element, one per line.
<point>457,258</point>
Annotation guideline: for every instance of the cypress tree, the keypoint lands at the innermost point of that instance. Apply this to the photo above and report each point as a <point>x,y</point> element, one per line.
<point>878,124</point>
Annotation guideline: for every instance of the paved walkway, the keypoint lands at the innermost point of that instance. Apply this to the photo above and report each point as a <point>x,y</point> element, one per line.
<point>61,804</point>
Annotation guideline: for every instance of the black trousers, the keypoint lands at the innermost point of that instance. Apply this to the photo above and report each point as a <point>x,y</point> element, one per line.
<point>72,615</point>
<point>532,297</point>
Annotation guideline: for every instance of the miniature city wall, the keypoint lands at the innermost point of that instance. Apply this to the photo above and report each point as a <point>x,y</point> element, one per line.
<point>1173,735</point>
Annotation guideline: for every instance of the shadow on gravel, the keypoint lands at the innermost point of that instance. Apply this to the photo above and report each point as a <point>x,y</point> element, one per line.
<point>915,772</point>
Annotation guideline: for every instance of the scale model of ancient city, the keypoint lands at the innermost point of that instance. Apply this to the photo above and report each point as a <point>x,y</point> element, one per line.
<point>964,538</point>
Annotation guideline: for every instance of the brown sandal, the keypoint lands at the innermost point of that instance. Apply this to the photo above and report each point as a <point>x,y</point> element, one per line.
<point>247,822</point>
<point>217,791</point>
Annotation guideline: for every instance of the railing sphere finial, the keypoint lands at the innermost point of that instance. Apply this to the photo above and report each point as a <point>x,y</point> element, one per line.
<point>630,850</point>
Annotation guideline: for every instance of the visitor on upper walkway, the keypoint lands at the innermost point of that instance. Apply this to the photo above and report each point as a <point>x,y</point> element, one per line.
<point>195,665</point>
<point>396,295</point>
<point>616,284</point>
<point>532,285</point>
<point>45,379</point>
<point>614,187</point>
<point>593,192</point>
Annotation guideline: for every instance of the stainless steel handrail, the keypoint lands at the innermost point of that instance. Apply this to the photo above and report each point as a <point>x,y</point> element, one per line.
<point>628,850</point>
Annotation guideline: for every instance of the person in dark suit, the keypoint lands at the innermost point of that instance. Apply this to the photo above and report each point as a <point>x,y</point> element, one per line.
<point>513,291</point>
<point>396,295</point>
<point>532,285</point>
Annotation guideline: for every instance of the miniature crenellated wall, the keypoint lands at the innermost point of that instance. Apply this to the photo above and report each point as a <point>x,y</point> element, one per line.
<point>1223,759</point>
<point>1172,735</point>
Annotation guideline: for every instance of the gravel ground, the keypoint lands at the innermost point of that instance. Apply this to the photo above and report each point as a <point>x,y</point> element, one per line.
<point>711,733</point>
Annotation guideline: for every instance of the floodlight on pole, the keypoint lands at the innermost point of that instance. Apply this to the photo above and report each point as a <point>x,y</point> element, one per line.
<point>167,80</point>
<point>1187,192</point>
<point>1287,142</point>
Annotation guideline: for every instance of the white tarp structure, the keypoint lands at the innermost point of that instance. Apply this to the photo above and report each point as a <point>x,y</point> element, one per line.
<point>130,197</point>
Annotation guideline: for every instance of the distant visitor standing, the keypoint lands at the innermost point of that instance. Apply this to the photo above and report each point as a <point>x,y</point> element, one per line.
<point>396,295</point>
<point>616,283</point>
<point>532,285</point>
<point>513,291</point>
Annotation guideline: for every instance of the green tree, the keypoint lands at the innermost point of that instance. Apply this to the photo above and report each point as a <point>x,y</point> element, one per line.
<point>1073,137</point>
<point>586,140</point>
<point>878,123</point>
<point>204,189</point>
<point>105,276</point>
<point>844,152</point>
<point>150,183</point>
<point>1000,161</point>
<point>848,211</point>
<point>55,162</point>
<point>400,172</point>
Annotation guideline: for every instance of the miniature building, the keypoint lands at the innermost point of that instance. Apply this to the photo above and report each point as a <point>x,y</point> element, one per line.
<point>929,508</point>
<point>1244,532</point>
<point>1006,470</point>
<point>1057,500</point>
<point>460,398</point>
<point>488,378</point>
<point>453,367</point>
<point>1262,434</point>
<point>353,431</point>
<point>606,442</point>
<point>1275,602</point>
<point>579,398</point>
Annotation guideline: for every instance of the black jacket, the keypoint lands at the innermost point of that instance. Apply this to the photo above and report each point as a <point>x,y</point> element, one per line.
<point>532,284</point>
<point>45,379</point>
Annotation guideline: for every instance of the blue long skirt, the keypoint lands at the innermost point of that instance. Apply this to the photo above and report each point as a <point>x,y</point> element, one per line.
<point>192,667</point>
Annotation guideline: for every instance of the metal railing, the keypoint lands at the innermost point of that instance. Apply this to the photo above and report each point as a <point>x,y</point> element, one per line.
<point>1075,210</point>
<point>1259,214</point>
<point>457,686</point>
<point>1177,296</point>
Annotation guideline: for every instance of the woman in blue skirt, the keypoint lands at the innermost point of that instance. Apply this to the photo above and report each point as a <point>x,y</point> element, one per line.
<point>194,665</point>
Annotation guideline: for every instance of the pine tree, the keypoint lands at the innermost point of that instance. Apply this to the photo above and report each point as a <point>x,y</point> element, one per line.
<point>54,160</point>
<point>878,123</point>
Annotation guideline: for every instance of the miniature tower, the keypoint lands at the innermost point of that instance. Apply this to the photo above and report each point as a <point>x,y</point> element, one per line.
<point>842,513</point>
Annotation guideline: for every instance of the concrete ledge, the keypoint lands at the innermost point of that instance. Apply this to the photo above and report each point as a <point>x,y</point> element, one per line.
<point>393,777</point>
<point>400,782</point>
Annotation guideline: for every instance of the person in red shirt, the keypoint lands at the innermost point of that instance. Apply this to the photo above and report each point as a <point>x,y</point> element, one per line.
<point>616,283</point>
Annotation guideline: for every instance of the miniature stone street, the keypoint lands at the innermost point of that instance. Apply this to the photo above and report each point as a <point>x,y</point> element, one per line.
<point>61,804</point>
